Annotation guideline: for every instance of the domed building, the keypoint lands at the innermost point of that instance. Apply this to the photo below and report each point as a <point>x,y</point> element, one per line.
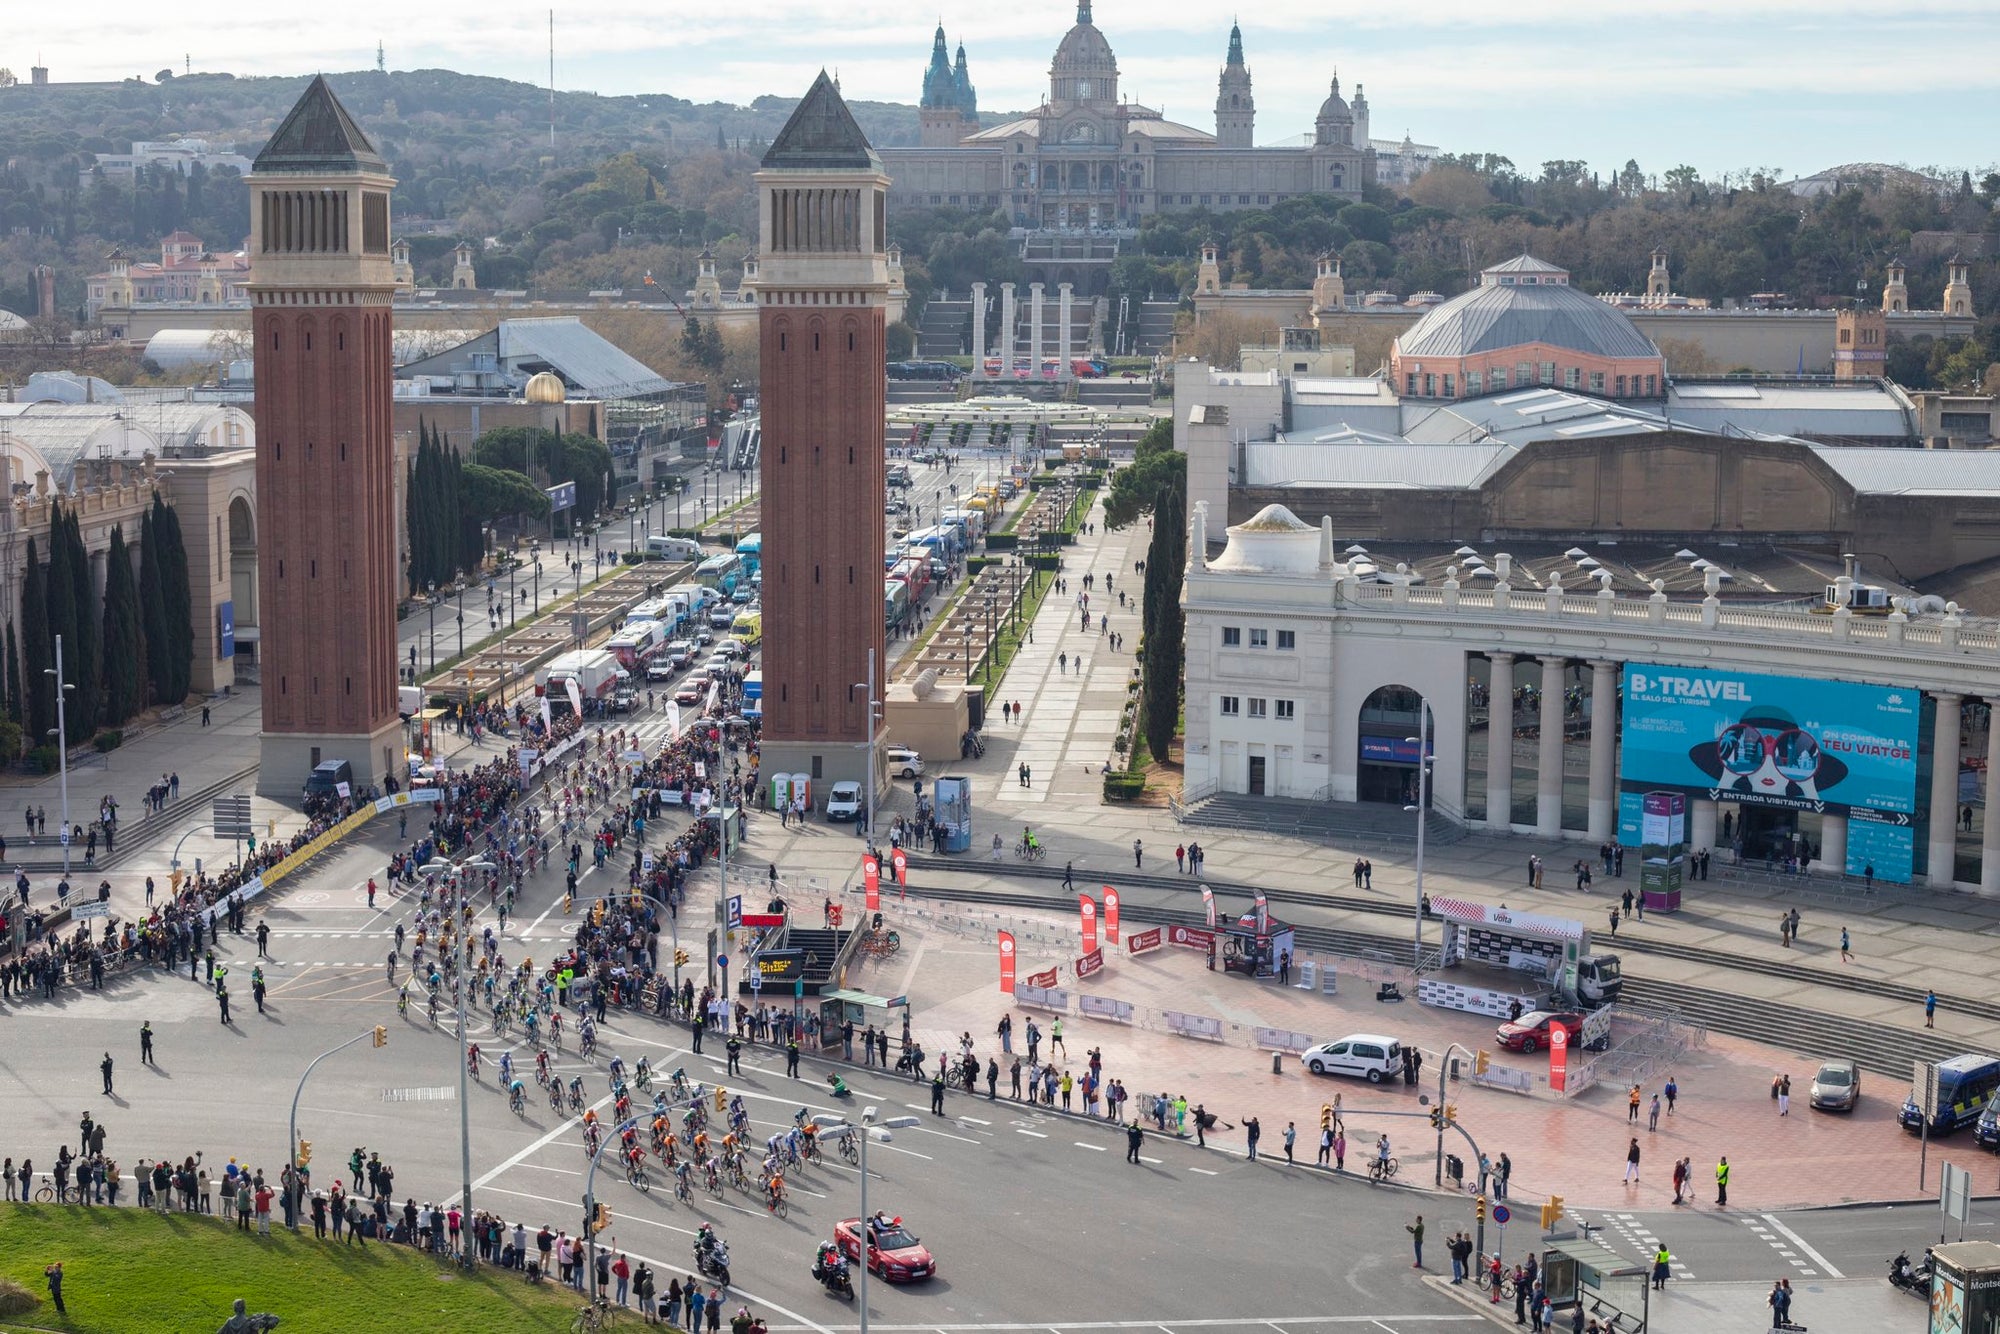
<point>1524,326</point>
<point>1090,160</point>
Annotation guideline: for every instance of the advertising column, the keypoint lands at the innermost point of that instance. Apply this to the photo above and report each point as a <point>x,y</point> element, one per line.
<point>1663,850</point>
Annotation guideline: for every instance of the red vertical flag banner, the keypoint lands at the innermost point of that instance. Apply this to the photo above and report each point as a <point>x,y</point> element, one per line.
<point>1088,907</point>
<point>901,862</point>
<point>871,880</point>
<point>1558,1058</point>
<point>1208,905</point>
<point>1111,914</point>
<point>1007,963</point>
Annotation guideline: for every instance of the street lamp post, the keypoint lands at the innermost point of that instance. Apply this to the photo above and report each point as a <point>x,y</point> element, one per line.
<point>433,610</point>
<point>62,747</point>
<point>1422,808</point>
<point>292,1146</point>
<point>868,787</point>
<point>861,1134</point>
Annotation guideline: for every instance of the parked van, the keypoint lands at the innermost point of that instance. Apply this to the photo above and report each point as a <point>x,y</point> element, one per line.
<point>1965,1085</point>
<point>328,775</point>
<point>1369,1056</point>
<point>672,548</point>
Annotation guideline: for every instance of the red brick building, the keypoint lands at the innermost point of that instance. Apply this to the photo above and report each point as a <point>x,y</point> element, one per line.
<point>821,195</point>
<point>326,561</point>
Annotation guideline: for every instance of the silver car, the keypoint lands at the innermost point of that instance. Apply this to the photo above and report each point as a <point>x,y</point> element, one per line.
<point>1837,1087</point>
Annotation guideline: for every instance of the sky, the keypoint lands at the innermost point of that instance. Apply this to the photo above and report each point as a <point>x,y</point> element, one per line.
<point>1723,85</point>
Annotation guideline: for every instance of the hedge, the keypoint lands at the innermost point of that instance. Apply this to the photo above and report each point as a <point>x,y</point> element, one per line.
<point>1002,541</point>
<point>1124,786</point>
<point>108,740</point>
<point>1039,561</point>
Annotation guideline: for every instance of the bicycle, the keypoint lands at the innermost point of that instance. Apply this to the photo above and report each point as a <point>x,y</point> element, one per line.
<point>517,1098</point>
<point>1381,1169</point>
<point>635,1176</point>
<point>1030,852</point>
<point>592,1319</point>
<point>778,1202</point>
<point>881,944</point>
<point>46,1195</point>
<point>849,1152</point>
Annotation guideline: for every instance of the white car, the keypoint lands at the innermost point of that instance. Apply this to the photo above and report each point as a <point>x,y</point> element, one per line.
<point>904,762</point>
<point>844,801</point>
<point>1367,1056</point>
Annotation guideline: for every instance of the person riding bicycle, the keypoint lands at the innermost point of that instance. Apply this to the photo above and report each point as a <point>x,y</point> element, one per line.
<point>399,935</point>
<point>517,1093</point>
<point>507,1067</point>
<point>642,1073</point>
<point>472,1059</point>
<point>617,1071</point>
<point>774,1190</point>
<point>1028,844</point>
<point>392,967</point>
<point>700,1147</point>
<point>576,1094</point>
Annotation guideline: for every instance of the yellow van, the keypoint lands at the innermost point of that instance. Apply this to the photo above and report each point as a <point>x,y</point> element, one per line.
<point>748,627</point>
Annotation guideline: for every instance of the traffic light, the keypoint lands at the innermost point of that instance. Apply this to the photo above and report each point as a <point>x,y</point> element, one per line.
<point>600,1220</point>
<point>721,1098</point>
<point>305,1151</point>
<point>1479,1209</point>
<point>680,958</point>
<point>381,1035</point>
<point>1451,1113</point>
<point>1552,1213</point>
<point>1480,1060</point>
<point>1326,1116</point>
<point>1437,1118</point>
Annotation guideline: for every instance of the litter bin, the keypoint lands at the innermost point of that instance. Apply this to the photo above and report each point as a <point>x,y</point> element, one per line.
<point>1454,1167</point>
<point>1277,1063</point>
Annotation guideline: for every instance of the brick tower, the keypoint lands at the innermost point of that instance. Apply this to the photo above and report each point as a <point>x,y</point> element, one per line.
<point>327,550</point>
<point>823,339</point>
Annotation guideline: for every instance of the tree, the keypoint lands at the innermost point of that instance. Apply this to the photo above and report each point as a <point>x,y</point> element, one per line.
<point>15,704</point>
<point>177,628</point>
<point>124,682</point>
<point>61,603</point>
<point>1157,467</point>
<point>1165,624</point>
<point>152,610</point>
<point>37,651</point>
<point>83,663</point>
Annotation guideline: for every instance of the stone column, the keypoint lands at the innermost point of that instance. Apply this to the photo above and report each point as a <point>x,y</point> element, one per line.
<point>1603,751</point>
<point>1500,744</point>
<point>1944,788</point>
<point>1989,839</point>
<point>1549,765</point>
<point>1035,331</point>
<point>1006,331</point>
<point>1062,331</point>
<point>1832,859</point>
<point>979,331</point>
<point>1703,817</point>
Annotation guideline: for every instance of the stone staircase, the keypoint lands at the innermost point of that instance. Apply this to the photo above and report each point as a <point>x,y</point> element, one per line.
<point>1341,822</point>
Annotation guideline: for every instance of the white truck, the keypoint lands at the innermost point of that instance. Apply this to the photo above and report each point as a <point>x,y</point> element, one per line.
<point>1499,961</point>
<point>594,671</point>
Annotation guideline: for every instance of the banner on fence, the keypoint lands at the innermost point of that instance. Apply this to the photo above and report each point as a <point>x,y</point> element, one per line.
<point>1087,906</point>
<point>871,881</point>
<point>1042,981</point>
<point>1111,914</point>
<point>1092,962</point>
<point>1006,963</point>
<point>1140,942</point>
<point>1188,937</point>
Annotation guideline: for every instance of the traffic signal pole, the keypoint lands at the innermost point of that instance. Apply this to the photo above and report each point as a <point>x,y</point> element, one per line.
<point>299,1152</point>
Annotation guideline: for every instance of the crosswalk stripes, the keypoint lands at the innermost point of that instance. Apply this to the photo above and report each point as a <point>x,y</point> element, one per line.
<point>1644,1240</point>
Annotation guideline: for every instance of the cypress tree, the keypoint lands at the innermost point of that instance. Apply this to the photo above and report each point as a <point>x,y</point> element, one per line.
<point>14,701</point>
<point>84,660</point>
<point>1166,562</point>
<point>124,682</point>
<point>36,650</point>
<point>179,599</point>
<point>153,607</point>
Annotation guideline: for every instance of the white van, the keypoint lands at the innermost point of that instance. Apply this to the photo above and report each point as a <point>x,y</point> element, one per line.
<point>904,762</point>
<point>1368,1056</point>
<point>673,548</point>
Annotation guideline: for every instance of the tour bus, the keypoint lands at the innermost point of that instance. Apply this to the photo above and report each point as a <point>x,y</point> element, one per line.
<point>748,627</point>
<point>1964,1086</point>
<point>672,548</point>
<point>722,572</point>
<point>751,549</point>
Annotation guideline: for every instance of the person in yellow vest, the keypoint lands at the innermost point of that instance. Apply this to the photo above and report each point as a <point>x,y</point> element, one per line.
<point>1722,1182</point>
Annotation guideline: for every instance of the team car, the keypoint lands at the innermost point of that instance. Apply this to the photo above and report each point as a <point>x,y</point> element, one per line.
<point>893,1253</point>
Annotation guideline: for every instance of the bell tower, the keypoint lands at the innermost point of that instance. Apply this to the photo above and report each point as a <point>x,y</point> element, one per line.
<point>1208,277</point>
<point>823,343</point>
<point>1235,108</point>
<point>1659,283</point>
<point>322,283</point>
<point>1957,287</point>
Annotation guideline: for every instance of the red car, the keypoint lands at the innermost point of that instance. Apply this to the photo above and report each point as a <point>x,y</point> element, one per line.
<point>893,1253</point>
<point>1531,1031</point>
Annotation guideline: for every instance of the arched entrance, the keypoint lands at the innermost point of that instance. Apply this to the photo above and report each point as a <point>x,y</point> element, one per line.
<point>243,583</point>
<point>1386,767</point>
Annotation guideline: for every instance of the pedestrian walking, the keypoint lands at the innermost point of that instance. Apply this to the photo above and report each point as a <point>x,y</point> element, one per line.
<point>1135,1136</point>
<point>1680,1180</point>
<point>1672,1090</point>
<point>1653,1115</point>
<point>1138,854</point>
<point>105,1067</point>
<point>1291,1138</point>
<point>1632,1162</point>
<point>1930,1009</point>
<point>1253,1131</point>
<point>1722,1183</point>
<point>1632,1104</point>
<point>1846,955</point>
<point>1784,1095</point>
<point>1662,1263</point>
<point>1416,1231</point>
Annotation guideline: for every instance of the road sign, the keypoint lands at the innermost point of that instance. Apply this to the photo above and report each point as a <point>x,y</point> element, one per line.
<point>1955,1193</point>
<point>231,817</point>
<point>84,912</point>
<point>734,911</point>
<point>1501,1213</point>
<point>722,961</point>
<point>756,980</point>
<point>646,863</point>
<point>64,836</point>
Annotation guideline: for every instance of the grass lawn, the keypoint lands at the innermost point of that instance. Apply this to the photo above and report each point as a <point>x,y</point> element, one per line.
<point>129,1270</point>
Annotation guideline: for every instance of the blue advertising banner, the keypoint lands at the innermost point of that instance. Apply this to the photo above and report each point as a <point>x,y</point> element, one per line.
<point>225,630</point>
<point>1789,742</point>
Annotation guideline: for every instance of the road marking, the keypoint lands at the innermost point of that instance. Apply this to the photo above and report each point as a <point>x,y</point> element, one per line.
<point>1036,1133</point>
<point>1203,1170</point>
<point>1801,1243</point>
<point>975,1120</point>
<point>1094,1148</point>
<point>544,1167</point>
<point>945,1134</point>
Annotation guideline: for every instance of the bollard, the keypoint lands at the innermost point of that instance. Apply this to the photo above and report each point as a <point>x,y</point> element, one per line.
<point>1277,1063</point>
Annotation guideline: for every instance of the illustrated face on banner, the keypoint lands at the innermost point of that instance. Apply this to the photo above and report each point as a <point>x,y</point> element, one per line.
<point>1765,755</point>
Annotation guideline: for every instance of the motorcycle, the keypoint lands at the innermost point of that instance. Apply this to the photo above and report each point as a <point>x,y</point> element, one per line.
<point>1913,1279</point>
<point>831,1273</point>
<point>711,1255</point>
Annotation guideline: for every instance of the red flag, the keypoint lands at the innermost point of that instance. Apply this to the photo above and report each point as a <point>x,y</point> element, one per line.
<point>1558,1058</point>
<point>871,879</point>
<point>1088,907</point>
<point>901,862</point>
<point>1007,963</point>
<point>1111,914</point>
<point>1208,905</point>
<point>1263,915</point>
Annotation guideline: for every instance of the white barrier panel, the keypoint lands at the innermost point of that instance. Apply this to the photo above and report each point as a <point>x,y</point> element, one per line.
<point>383,805</point>
<point>1103,1007</point>
<point>1514,1081</point>
<point>1280,1039</point>
<point>1194,1025</point>
<point>1046,998</point>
